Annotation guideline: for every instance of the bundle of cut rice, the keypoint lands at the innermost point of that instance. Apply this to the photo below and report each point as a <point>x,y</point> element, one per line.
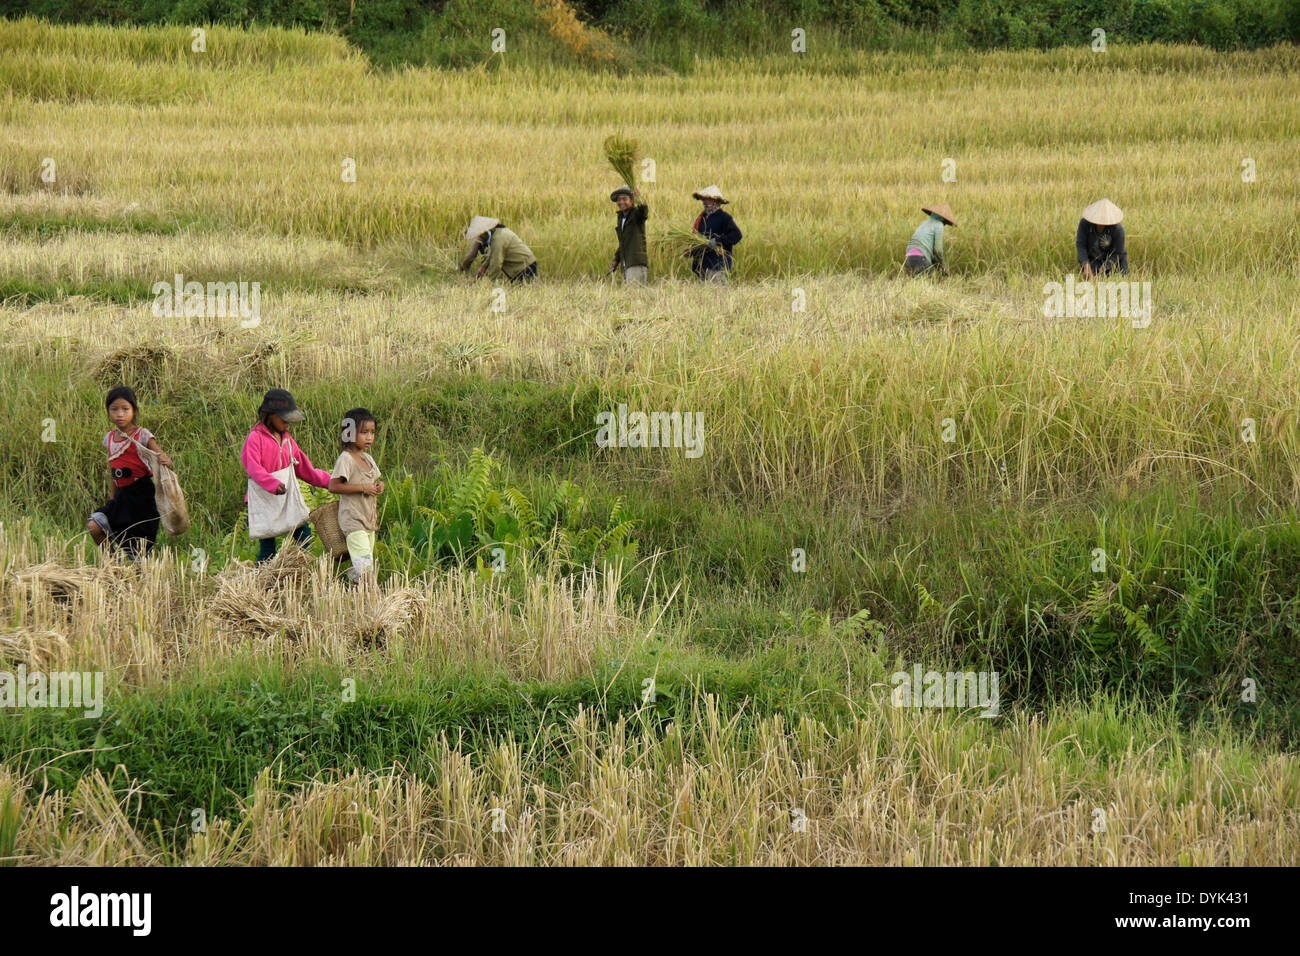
<point>250,601</point>
<point>144,366</point>
<point>242,608</point>
<point>292,565</point>
<point>622,155</point>
<point>37,648</point>
<point>682,242</point>
<point>381,614</point>
<point>65,584</point>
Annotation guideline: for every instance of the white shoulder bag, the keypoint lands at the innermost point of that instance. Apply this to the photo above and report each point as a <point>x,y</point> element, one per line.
<point>271,515</point>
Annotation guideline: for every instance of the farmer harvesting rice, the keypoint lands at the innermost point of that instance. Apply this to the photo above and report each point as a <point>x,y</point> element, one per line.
<point>1099,241</point>
<point>925,248</point>
<point>712,262</point>
<point>630,228</point>
<point>505,255</point>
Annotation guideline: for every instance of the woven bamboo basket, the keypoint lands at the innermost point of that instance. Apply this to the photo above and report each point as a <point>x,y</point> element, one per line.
<point>325,520</point>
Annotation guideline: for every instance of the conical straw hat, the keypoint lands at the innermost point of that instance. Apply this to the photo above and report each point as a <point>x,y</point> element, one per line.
<point>709,192</point>
<point>479,225</point>
<point>943,211</point>
<point>1103,213</point>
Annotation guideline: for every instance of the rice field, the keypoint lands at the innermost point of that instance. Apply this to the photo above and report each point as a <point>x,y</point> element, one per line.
<point>826,172</point>
<point>684,661</point>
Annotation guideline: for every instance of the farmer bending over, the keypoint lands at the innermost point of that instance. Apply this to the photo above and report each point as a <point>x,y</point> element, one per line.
<point>925,248</point>
<point>1099,241</point>
<point>505,255</point>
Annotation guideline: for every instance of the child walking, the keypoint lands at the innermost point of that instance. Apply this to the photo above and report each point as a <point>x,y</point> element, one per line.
<point>356,481</point>
<point>130,519</point>
<point>269,448</point>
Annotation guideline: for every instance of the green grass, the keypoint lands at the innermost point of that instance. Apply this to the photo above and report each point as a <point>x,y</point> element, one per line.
<point>203,741</point>
<point>21,293</point>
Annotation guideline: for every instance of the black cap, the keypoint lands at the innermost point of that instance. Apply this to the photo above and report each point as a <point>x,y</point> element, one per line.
<point>278,401</point>
<point>620,191</point>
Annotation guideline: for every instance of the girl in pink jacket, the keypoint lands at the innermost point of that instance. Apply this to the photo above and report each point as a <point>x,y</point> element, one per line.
<point>269,447</point>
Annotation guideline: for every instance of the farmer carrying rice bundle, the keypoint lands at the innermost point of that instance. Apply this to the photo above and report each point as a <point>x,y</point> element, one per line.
<point>505,255</point>
<point>1099,241</point>
<point>925,248</point>
<point>630,228</point>
<point>713,261</point>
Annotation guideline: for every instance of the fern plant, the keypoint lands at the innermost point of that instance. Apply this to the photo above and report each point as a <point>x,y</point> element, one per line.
<point>813,623</point>
<point>472,517</point>
<point>315,497</point>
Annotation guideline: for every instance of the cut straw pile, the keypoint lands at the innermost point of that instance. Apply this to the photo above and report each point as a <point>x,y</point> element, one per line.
<point>282,597</point>
<point>35,647</point>
<point>252,601</point>
<point>380,615</point>
<point>66,584</point>
<point>622,155</point>
<point>144,366</point>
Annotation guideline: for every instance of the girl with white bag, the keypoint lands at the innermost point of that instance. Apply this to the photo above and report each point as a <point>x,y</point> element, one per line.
<point>273,460</point>
<point>130,519</point>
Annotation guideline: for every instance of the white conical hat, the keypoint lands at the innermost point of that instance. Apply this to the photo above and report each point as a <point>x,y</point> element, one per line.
<point>1103,213</point>
<point>479,225</point>
<point>709,192</point>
